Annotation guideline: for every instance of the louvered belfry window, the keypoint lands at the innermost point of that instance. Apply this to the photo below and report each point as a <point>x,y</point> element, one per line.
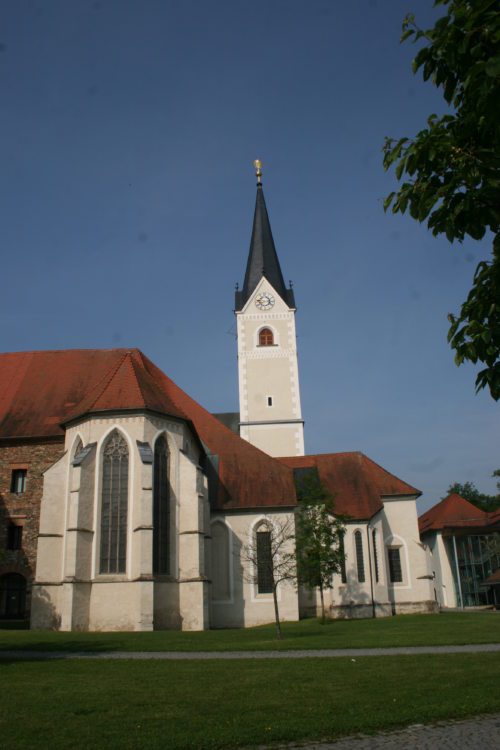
<point>114,509</point>
<point>264,563</point>
<point>359,556</point>
<point>161,509</point>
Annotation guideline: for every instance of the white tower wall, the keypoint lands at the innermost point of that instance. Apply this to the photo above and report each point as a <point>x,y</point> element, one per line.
<point>270,411</point>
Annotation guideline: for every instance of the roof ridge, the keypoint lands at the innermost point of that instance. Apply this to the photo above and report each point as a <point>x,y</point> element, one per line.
<point>130,358</point>
<point>139,373</point>
<point>98,390</point>
<point>319,455</point>
<point>70,351</point>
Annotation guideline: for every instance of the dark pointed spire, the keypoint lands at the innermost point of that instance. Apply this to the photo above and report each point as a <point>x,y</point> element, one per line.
<point>262,257</point>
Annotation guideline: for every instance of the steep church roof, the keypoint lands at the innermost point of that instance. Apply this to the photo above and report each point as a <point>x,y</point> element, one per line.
<point>262,258</point>
<point>357,483</point>
<point>42,391</point>
<point>455,512</point>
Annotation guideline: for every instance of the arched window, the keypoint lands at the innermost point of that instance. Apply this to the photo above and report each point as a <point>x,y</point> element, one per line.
<point>161,509</point>
<point>12,595</point>
<point>395,569</point>
<point>263,549</point>
<point>220,562</point>
<point>358,541</point>
<point>114,505</point>
<point>343,573</point>
<point>266,337</point>
<point>375,553</point>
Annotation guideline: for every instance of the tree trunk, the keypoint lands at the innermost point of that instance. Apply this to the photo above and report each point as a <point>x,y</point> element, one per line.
<point>323,618</point>
<point>276,614</point>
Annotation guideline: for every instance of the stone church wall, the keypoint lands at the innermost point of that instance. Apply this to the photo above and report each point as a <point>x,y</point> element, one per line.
<point>24,508</point>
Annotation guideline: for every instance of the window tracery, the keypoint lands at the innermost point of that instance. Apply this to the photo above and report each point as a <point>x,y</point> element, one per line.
<point>114,505</point>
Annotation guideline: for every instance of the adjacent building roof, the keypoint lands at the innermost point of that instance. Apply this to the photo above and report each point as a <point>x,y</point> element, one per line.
<point>41,392</point>
<point>455,512</point>
<point>357,483</point>
<point>262,258</point>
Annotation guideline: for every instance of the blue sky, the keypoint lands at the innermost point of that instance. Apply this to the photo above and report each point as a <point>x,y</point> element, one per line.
<point>128,130</point>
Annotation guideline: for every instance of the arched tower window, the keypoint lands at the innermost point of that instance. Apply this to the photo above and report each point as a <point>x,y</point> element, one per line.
<point>220,562</point>
<point>114,509</point>
<point>266,337</point>
<point>358,541</point>
<point>161,509</point>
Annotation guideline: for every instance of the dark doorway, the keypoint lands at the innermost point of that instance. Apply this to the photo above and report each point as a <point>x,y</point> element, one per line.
<point>12,596</point>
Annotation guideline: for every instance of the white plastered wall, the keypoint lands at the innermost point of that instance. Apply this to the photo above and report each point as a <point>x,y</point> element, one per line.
<point>70,592</point>
<point>244,606</point>
<point>400,529</point>
<point>269,372</point>
<point>440,564</point>
<point>395,525</point>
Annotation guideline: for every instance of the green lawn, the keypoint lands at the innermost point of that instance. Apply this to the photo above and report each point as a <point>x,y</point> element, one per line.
<point>148,705</point>
<point>403,630</point>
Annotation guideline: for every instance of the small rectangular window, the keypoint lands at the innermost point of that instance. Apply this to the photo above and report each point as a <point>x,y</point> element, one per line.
<point>395,572</point>
<point>18,481</point>
<point>269,400</point>
<point>14,536</point>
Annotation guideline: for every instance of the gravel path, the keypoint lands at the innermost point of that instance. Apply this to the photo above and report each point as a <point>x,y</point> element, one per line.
<point>193,655</point>
<point>481,733</point>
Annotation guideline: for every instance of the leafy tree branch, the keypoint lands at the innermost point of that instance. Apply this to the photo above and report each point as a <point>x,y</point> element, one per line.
<point>451,168</point>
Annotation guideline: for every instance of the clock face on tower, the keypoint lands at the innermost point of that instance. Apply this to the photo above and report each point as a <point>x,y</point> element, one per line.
<point>264,301</point>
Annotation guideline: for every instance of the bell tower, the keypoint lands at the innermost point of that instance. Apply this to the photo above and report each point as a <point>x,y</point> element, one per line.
<point>270,412</point>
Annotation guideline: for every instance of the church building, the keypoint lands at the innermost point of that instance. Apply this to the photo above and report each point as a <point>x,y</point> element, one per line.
<point>125,505</point>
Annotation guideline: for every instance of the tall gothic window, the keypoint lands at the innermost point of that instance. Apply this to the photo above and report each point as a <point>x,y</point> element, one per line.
<point>358,541</point>
<point>161,509</point>
<point>266,337</point>
<point>264,561</point>
<point>375,553</point>
<point>114,505</point>
<point>343,573</point>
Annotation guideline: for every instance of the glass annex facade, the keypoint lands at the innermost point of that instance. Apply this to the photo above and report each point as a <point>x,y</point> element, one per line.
<point>478,556</point>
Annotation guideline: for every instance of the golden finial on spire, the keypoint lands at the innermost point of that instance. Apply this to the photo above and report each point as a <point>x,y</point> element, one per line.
<point>258,170</point>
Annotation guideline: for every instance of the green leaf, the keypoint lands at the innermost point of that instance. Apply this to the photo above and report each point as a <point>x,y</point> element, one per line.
<point>388,201</point>
<point>492,67</point>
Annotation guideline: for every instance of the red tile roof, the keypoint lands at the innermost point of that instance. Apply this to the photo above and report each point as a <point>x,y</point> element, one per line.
<point>455,512</point>
<point>357,483</point>
<point>40,392</point>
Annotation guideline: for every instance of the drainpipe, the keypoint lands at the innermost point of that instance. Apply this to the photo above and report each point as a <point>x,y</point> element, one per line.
<point>370,565</point>
<point>457,569</point>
